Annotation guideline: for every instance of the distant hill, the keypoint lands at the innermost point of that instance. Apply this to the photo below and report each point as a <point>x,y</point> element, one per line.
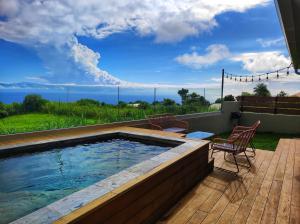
<point>296,94</point>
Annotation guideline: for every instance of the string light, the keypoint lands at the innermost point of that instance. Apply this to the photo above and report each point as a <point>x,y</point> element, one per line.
<point>252,78</point>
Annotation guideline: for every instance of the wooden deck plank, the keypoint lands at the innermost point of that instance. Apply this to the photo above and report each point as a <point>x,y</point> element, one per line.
<point>270,211</point>
<point>191,203</point>
<point>295,215</point>
<point>296,179</point>
<point>262,197</point>
<point>248,198</point>
<point>231,209</point>
<point>197,218</point>
<point>228,196</point>
<point>283,213</point>
<point>269,195</point>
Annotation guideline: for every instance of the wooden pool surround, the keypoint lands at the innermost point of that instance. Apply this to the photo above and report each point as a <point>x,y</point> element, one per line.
<point>149,192</point>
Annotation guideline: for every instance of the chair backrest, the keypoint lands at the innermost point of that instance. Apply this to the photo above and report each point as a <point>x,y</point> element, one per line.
<point>254,127</point>
<point>163,121</point>
<point>242,140</point>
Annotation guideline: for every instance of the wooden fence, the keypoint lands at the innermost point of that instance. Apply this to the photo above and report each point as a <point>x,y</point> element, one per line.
<point>273,105</point>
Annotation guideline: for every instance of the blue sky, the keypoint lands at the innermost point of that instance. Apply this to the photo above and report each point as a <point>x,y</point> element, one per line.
<point>141,49</point>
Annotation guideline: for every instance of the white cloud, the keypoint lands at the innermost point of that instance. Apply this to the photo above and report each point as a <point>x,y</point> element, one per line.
<point>270,42</point>
<point>55,24</point>
<point>88,60</point>
<point>215,53</point>
<point>262,61</point>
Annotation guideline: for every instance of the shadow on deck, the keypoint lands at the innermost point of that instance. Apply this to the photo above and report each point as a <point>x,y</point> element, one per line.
<point>267,193</point>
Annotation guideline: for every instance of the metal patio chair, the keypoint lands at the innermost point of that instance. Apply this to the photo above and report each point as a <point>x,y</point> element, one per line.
<point>239,129</point>
<point>168,122</point>
<point>235,145</point>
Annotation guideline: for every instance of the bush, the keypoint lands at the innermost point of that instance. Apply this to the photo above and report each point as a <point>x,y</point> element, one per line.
<point>33,103</point>
<point>3,114</point>
<point>88,102</point>
<point>229,98</point>
<point>219,100</point>
<point>14,108</point>
<point>168,102</point>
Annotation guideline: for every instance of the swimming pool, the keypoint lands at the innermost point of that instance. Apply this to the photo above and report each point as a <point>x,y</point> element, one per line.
<point>33,180</point>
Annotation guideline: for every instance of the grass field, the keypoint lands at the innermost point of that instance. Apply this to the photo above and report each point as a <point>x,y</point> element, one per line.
<point>37,122</point>
<point>267,141</point>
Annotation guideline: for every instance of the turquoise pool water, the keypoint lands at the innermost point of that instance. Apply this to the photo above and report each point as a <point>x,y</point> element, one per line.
<point>32,181</point>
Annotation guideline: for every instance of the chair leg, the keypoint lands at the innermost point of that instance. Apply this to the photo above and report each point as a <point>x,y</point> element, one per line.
<point>253,147</point>
<point>247,159</point>
<point>212,152</point>
<point>237,166</point>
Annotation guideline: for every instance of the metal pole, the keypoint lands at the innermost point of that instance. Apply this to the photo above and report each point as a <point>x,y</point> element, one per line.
<point>154,99</point>
<point>222,88</point>
<point>118,101</point>
<point>204,93</point>
<point>67,94</point>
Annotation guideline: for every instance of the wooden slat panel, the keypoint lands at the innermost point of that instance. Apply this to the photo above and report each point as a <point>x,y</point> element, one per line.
<point>288,105</point>
<point>281,105</point>
<point>258,109</point>
<point>288,111</point>
<point>288,99</point>
<point>258,98</point>
<point>257,104</point>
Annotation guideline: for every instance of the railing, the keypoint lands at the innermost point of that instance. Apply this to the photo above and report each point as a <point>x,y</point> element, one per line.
<point>273,105</point>
<point>63,107</point>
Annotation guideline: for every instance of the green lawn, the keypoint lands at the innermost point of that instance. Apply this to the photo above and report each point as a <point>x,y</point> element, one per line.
<point>267,141</point>
<point>37,122</point>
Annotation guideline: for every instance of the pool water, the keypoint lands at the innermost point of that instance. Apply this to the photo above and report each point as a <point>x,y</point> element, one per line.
<point>32,181</point>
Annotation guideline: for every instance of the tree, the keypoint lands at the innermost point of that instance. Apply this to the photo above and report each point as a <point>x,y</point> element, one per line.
<point>33,103</point>
<point>88,102</point>
<point>122,104</point>
<point>261,90</point>
<point>229,98</point>
<point>183,93</point>
<point>219,100</point>
<point>168,102</point>
<point>3,112</point>
<point>195,98</point>
<point>282,94</point>
<point>246,94</point>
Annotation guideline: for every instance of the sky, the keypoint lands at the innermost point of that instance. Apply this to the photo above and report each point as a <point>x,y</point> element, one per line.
<point>136,43</point>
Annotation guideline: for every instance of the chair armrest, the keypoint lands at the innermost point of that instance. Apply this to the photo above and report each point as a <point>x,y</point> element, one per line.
<point>155,127</point>
<point>181,124</point>
<point>223,140</point>
<point>244,128</point>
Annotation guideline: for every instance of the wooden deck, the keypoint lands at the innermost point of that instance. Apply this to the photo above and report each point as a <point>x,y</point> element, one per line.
<point>268,193</point>
<point>7,141</point>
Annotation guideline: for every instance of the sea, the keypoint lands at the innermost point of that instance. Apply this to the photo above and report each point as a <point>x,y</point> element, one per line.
<point>107,95</point>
